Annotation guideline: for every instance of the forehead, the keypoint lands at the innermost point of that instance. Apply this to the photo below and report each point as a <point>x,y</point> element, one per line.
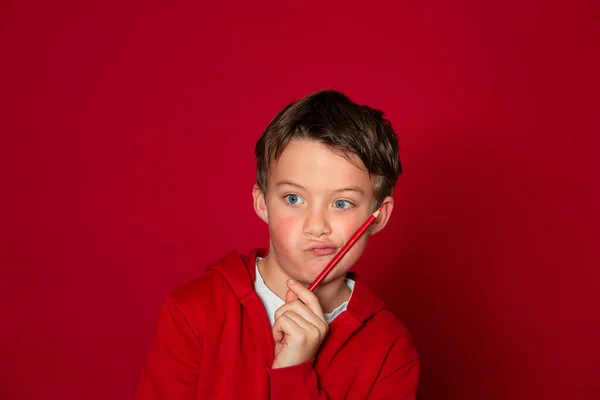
<point>316,166</point>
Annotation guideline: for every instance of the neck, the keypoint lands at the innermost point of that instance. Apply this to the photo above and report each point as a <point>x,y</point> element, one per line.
<point>330,294</point>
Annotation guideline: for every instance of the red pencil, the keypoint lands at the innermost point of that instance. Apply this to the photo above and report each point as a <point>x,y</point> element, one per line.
<point>344,250</point>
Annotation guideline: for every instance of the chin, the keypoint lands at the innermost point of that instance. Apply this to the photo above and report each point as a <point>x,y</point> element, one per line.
<point>305,268</point>
<point>306,276</point>
<point>303,273</point>
<point>311,274</point>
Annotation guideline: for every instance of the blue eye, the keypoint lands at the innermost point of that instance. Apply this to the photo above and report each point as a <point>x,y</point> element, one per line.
<point>293,199</point>
<point>342,204</point>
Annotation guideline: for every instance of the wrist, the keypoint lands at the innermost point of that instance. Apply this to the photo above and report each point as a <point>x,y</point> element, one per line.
<point>277,364</point>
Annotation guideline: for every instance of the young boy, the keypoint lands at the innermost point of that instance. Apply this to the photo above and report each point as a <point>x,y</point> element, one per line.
<point>248,327</point>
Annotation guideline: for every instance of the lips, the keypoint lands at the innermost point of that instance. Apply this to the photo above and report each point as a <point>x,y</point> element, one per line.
<point>322,249</point>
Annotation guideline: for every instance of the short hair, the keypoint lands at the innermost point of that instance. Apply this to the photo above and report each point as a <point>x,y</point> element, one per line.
<point>331,118</point>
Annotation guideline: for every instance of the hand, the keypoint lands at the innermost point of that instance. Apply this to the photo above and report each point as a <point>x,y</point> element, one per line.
<point>299,328</point>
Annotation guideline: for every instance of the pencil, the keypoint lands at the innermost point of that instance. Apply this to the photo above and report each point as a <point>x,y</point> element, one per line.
<point>344,250</point>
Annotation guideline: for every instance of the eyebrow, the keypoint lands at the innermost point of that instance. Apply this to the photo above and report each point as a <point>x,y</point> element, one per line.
<point>345,189</point>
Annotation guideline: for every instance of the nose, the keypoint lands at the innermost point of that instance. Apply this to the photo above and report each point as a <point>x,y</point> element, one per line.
<point>316,222</point>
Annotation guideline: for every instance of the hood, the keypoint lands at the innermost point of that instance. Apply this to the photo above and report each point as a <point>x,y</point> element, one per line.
<point>239,271</point>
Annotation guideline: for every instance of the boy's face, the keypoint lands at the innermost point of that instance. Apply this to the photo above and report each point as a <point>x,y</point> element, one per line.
<point>316,200</point>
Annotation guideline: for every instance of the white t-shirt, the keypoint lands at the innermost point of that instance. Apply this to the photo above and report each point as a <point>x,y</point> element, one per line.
<point>272,302</point>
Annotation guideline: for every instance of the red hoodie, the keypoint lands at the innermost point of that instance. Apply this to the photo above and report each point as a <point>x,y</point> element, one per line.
<point>214,341</point>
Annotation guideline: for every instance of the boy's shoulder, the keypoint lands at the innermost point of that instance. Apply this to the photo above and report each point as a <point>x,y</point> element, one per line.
<point>388,324</point>
<point>381,326</point>
<point>374,314</point>
<point>206,285</point>
<point>221,283</point>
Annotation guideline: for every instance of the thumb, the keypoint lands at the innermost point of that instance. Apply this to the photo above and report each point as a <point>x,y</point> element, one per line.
<point>290,296</point>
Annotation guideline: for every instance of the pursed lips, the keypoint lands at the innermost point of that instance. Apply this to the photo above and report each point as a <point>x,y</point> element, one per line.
<point>322,249</point>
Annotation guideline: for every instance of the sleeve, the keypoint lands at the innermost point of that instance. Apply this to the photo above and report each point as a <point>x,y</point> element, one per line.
<point>302,378</point>
<point>399,376</point>
<point>172,363</point>
<point>397,379</point>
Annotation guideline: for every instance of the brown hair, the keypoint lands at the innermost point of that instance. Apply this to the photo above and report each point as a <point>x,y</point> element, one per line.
<point>331,118</point>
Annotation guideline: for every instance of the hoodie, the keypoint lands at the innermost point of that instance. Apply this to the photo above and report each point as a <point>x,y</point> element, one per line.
<point>214,341</point>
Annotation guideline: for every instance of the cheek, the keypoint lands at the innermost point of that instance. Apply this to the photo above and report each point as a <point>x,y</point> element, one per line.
<point>346,225</point>
<point>346,228</point>
<point>358,248</point>
<point>283,229</point>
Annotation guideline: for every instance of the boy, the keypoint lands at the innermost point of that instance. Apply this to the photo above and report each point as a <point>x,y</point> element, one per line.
<point>248,327</point>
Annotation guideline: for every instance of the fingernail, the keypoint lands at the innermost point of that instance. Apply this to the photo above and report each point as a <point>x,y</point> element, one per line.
<point>291,281</point>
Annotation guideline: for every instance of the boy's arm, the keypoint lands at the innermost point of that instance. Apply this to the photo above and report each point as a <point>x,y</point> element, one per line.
<point>397,379</point>
<point>295,382</point>
<point>399,376</point>
<point>299,329</point>
<point>171,369</point>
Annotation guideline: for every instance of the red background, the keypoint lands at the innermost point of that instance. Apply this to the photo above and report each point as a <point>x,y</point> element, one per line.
<point>127,165</point>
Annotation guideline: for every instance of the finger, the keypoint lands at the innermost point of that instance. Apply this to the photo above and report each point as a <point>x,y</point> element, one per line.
<point>298,319</point>
<point>290,296</point>
<point>285,326</point>
<point>307,297</point>
<point>306,313</point>
<point>307,332</point>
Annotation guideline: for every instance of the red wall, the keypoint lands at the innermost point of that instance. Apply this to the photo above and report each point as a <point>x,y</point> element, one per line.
<point>127,165</point>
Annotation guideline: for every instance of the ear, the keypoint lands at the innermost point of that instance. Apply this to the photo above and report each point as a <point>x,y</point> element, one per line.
<point>384,216</point>
<point>260,203</point>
